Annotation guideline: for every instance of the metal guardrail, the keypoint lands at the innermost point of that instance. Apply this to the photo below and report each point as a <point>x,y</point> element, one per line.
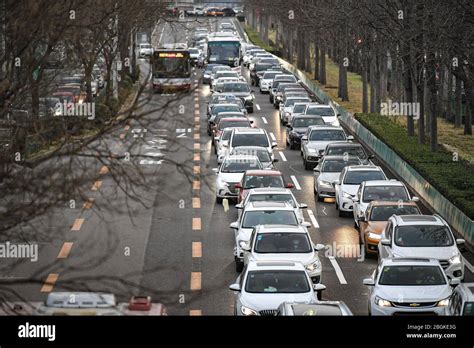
<point>454,216</point>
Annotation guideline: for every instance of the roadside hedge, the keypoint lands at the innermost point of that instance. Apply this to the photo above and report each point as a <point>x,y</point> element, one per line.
<point>255,39</point>
<point>453,179</point>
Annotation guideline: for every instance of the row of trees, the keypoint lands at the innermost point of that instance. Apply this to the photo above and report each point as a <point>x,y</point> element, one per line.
<point>406,51</point>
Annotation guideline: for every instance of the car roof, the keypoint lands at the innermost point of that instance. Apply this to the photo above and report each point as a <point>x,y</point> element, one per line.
<point>408,261</point>
<point>269,190</point>
<point>410,220</point>
<point>263,205</point>
<point>234,119</point>
<point>272,265</point>
<point>280,229</point>
<point>261,148</point>
<point>383,183</point>
<point>263,172</point>
<point>324,127</point>
<point>391,203</point>
<point>344,144</point>
<point>243,157</point>
<point>363,168</point>
<point>340,157</point>
<point>322,308</point>
<point>249,130</point>
<point>322,106</point>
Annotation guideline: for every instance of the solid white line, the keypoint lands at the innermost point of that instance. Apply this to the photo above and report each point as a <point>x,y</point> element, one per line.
<point>257,106</point>
<point>297,184</point>
<point>161,35</point>
<point>283,157</point>
<point>273,136</point>
<point>264,120</point>
<point>468,265</point>
<point>313,218</point>
<point>338,270</point>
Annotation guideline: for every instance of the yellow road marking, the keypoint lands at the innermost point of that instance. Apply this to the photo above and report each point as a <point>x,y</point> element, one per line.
<point>88,203</point>
<point>225,204</point>
<point>197,136</point>
<point>196,185</point>
<point>65,250</point>
<point>105,169</point>
<point>196,105</point>
<point>195,312</point>
<point>197,146</point>
<point>49,282</point>
<point>197,157</point>
<point>196,224</point>
<point>196,202</point>
<point>77,225</point>
<point>197,170</point>
<point>96,185</point>
<point>197,249</point>
<point>196,280</point>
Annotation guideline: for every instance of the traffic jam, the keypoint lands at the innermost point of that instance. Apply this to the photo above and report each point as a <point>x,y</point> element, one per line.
<point>419,264</point>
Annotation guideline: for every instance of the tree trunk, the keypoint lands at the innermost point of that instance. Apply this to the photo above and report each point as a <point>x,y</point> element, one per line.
<point>449,108</point>
<point>432,85</point>
<point>458,105</point>
<point>322,64</point>
<point>316,60</point>
<point>469,109</point>
<point>365,96</point>
<point>421,120</point>
<point>373,93</point>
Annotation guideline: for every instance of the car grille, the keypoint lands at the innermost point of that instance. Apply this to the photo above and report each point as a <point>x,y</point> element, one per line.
<point>268,312</point>
<point>414,304</point>
<point>414,313</point>
<point>312,158</point>
<point>232,188</point>
<point>444,263</point>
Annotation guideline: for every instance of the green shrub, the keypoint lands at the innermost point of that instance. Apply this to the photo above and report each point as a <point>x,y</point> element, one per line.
<point>255,39</point>
<point>453,179</point>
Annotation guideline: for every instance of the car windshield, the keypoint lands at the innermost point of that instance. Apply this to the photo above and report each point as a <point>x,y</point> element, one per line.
<point>336,166</point>
<point>468,308</point>
<point>349,151</point>
<point>226,134</point>
<point>298,109</point>
<point>145,45</point>
<point>423,236</point>
<point>262,67</point>
<point>262,154</point>
<point>277,83</point>
<point>320,111</point>
<point>236,87</point>
<point>356,177</point>
<point>269,217</point>
<point>270,75</point>
<point>282,243</point>
<point>255,181</point>
<point>225,108</point>
<point>220,68</point>
<point>383,212</point>
<point>239,165</point>
<point>275,282</point>
<point>384,193</point>
<point>291,102</point>
<point>327,135</point>
<point>209,68</point>
<point>233,124</point>
<point>412,276</point>
<point>306,122</point>
<point>227,74</point>
<point>270,62</point>
<point>250,140</point>
<point>273,197</point>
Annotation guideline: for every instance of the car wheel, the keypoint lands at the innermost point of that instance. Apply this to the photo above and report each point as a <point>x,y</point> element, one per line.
<point>271,99</point>
<point>340,212</point>
<point>306,165</point>
<point>356,226</point>
<point>319,295</point>
<point>239,265</point>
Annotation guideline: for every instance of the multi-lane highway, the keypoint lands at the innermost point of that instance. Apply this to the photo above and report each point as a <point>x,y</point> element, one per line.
<point>174,243</point>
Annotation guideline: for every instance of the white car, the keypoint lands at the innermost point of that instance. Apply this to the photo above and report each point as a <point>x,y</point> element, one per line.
<point>326,111</point>
<point>267,80</point>
<point>249,55</point>
<point>145,50</point>
<point>349,181</point>
<point>251,137</point>
<point>231,172</point>
<point>222,144</point>
<point>287,243</point>
<point>286,108</point>
<point>298,109</point>
<point>263,286</point>
<point>260,213</point>
<point>462,300</point>
<point>273,194</point>
<point>225,73</point>
<point>378,190</point>
<point>425,236</point>
<point>316,139</point>
<point>409,286</point>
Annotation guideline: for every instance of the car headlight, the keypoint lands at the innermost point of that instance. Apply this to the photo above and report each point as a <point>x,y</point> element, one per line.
<point>443,303</point>
<point>455,259</point>
<point>248,98</point>
<point>222,183</point>
<point>313,266</point>
<point>374,236</point>
<point>325,183</point>
<point>287,114</point>
<point>248,311</point>
<point>347,195</point>
<point>382,303</point>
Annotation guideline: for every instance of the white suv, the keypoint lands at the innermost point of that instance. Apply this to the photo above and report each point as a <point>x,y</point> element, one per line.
<point>425,236</point>
<point>251,137</point>
<point>326,111</point>
<point>145,50</point>
<point>409,286</point>
<point>260,213</point>
<point>288,243</point>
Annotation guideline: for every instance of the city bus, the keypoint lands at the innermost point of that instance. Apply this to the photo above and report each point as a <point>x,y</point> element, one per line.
<point>171,69</point>
<point>224,50</point>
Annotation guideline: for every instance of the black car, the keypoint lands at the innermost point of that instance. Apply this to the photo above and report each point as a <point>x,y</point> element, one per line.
<point>228,12</point>
<point>351,149</point>
<point>241,90</point>
<point>257,72</point>
<point>297,128</point>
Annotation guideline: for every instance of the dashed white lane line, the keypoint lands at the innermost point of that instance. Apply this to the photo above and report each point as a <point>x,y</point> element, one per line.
<point>283,157</point>
<point>273,136</point>
<point>297,184</point>
<point>258,107</point>
<point>338,270</point>
<point>468,265</point>
<point>313,218</point>
<point>264,120</point>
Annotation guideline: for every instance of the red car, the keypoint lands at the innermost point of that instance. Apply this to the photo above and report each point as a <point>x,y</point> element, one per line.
<point>260,178</point>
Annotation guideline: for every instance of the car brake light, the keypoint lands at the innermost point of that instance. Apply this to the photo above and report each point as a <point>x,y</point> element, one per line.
<point>140,303</point>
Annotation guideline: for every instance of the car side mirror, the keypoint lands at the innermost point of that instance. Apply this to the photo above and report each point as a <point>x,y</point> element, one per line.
<point>251,122</point>
<point>235,287</point>
<point>276,160</point>
<point>289,126</point>
<point>244,245</point>
<point>338,115</point>
<point>454,281</point>
<point>316,170</point>
<point>460,241</point>
<point>290,185</point>
<point>368,282</point>
<point>274,144</point>
<point>350,137</point>
<point>319,247</point>
<point>238,185</point>
<point>319,287</point>
<point>415,199</point>
<point>306,224</point>
<point>234,225</point>
<point>321,152</point>
<point>337,182</point>
<point>304,137</point>
<point>215,170</point>
<point>239,206</point>
<point>303,206</point>
<point>385,242</point>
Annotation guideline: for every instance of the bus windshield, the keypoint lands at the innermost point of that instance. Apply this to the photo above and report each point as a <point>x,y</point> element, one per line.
<point>224,52</point>
<point>171,65</point>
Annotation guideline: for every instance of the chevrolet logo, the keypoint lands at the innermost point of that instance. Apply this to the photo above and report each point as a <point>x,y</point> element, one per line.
<point>414,304</point>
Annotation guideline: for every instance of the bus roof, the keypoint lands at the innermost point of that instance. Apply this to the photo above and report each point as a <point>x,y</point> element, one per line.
<point>175,46</point>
